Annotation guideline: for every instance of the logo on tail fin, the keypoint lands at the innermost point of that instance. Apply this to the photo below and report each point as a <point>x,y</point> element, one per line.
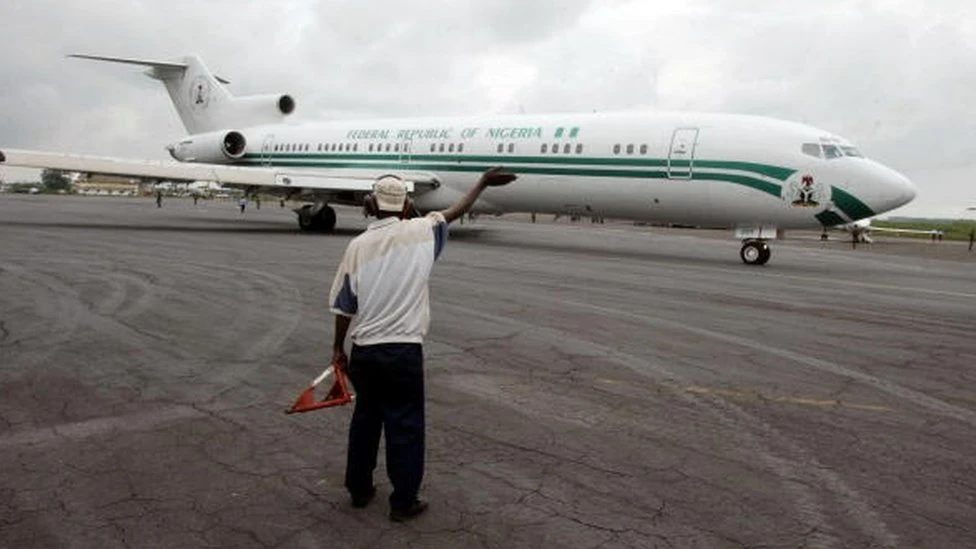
<point>200,93</point>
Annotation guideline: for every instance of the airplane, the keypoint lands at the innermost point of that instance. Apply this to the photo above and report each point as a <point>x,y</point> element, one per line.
<point>862,229</point>
<point>753,174</point>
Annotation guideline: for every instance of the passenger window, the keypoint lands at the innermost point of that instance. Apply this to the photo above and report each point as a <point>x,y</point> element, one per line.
<point>555,148</point>
<point>643,149</point>
<point>433,147</point>
<point>544,148</point>
<point>630,149</point>
<point>566,148</point>
<point>501,147</point>
<point>387,147</point>
<point>511,147</point>
<point>450,148</point>
<point>396,147</point>
<point>579,148</point>
<point>460,147</point>
<point>355,147</point>
<point>616,149</point>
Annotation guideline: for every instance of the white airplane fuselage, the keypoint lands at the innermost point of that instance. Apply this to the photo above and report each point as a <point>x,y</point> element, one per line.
<point>695,169</point>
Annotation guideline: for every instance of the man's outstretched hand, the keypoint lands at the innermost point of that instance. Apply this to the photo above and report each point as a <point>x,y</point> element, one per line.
<point>496,177</point>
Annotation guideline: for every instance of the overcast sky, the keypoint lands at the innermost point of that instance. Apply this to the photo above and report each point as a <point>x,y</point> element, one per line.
<point>896,77</point>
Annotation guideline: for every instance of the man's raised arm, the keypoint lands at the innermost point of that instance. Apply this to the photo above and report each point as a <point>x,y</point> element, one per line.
<point>494,177</point>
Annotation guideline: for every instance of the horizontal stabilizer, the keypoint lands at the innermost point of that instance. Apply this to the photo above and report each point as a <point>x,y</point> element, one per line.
<point>158,65</point>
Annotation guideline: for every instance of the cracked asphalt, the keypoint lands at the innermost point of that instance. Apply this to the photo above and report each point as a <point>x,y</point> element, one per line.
<point>589,386</point>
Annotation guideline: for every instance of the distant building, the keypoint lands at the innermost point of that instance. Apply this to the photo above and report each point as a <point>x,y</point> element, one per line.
<point>107,185</point>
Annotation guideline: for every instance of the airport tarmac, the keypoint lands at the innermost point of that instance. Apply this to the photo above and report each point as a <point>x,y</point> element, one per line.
<point>588,386</point>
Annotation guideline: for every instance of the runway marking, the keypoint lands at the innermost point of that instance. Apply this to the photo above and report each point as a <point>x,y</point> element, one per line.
<point>808,401</point>
<point>921,399</point>
<point>876,286</point>
<point>80,430</point>
<point>764,397</point>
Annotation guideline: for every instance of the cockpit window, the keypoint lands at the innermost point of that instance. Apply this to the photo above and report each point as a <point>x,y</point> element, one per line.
<point>851,151</point>
<point>812,149</point>
<point>832,151</point>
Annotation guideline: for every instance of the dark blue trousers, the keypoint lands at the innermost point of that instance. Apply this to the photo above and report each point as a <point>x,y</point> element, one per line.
<point>389,383</point>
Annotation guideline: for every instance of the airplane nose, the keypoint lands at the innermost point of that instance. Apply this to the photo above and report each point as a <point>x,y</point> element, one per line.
<point>905,190</point>
<point>909,190</point>
<point>896,189</point>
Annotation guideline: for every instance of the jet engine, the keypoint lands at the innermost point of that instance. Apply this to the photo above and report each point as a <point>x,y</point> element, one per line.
<point>254,110</point>
<point>213,148</point>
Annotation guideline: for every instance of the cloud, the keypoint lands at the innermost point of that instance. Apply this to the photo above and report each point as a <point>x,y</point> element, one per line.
<point>894,76</point>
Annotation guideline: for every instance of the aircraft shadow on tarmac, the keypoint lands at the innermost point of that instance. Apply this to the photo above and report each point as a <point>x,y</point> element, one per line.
<point>506,239</point>
<point>251,227</point>
<point>494,237</point>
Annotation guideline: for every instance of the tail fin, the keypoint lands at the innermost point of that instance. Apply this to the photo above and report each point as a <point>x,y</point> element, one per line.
<point>201,100</point>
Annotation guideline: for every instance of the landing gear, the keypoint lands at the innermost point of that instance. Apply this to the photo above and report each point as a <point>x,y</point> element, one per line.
<point>755,252</point>
<point>317,218</point>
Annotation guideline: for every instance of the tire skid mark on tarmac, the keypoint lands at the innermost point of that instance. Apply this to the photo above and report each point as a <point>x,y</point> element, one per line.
<point>82,314</point>
<point>867,521</point>
<point>79,430</point>
<point>112,316</point>
<point>63,316</point>
<point>284,316</point>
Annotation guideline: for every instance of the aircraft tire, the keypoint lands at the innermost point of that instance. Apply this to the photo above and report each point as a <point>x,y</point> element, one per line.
<point>306,222</point>
<point>766,254</point>
<point>322,222</point>
<point>326,219</point>
<point>755,252</point>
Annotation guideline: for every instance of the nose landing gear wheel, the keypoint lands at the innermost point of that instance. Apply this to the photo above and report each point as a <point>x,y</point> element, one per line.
<point>755,252</point>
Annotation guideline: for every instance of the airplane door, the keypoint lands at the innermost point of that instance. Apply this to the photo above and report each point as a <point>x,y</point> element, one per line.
<point>681,154</point>
<point>267,147</point>
<point>405,152</point>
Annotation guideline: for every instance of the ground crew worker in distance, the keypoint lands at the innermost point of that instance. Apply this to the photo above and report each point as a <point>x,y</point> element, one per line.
<point>382,283</point>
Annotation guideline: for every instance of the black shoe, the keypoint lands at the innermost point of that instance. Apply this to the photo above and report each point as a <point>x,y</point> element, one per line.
<point>406,513</point>
<point>362,500</point>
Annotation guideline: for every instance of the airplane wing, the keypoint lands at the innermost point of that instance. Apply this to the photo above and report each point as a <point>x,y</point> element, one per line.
<point>876,229</point>
<point>862,230</point>
<point>293,182</point>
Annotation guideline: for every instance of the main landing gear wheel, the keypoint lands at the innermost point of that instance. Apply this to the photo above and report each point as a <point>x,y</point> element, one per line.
<point>755,252</point>
<point>321,222</point>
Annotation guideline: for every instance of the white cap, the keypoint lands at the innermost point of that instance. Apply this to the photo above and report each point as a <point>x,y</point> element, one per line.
<point>390,193</point>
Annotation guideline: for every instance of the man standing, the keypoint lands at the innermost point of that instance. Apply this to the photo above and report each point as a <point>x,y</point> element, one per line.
<point>382,282</point>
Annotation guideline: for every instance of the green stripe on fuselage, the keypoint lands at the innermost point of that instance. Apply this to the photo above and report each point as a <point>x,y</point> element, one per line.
<point>829,218</point>
<point>774,172</point>
<point>469,165</point>
<point>849,204</point>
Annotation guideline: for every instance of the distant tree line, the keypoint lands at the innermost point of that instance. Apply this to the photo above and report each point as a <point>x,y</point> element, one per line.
<point>54,181</point>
